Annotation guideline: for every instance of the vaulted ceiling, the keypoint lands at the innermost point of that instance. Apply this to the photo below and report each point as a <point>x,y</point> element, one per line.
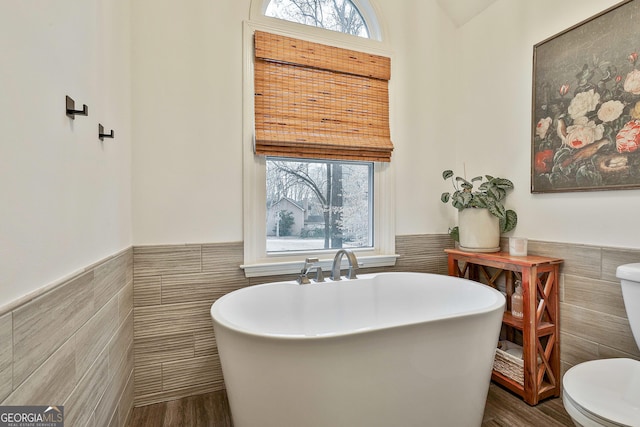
<point>462,11</point>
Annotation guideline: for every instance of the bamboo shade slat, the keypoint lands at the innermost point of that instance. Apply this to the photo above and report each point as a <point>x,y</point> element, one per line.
<point>319,101</point>
<point>272,47</point>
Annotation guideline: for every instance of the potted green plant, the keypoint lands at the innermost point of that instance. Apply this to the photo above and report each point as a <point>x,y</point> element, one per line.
<point>481,212</point>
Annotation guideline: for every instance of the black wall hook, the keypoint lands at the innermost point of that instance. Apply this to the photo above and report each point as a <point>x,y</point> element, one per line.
<point>71,109</point>
<point>103,135</point>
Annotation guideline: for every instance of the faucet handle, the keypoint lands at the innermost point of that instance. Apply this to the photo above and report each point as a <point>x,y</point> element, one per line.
<point>310,262</point>
<point>303,277</point>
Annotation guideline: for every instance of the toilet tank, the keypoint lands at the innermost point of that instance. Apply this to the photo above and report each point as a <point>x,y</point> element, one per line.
<point>629,275</point>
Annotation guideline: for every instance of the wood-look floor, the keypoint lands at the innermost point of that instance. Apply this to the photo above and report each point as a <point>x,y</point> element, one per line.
<point>506,410</point>
<point>503,409</point>
<point>205,410</point>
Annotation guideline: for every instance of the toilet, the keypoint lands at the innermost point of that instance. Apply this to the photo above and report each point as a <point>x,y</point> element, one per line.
<point>607,392</point>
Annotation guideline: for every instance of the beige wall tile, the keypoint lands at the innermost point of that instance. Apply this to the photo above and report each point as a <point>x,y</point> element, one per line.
<point>422,253</point>
<point>52,382</point>
<point>42,325</point>
<point>201,287</point>
<point>576,350</point>
<point>115,419</point>
<point>92,421</point>
<point>6,355</point>
<point>148,380</point>
<point>612,258</point>
<point>121,348</point>
<point>436,265</point>
<point>110,277</point>
<point>125,405</point>
<point>223,257</point>
<point>147,291</point>
<point>101,418</point>
<point>158,260</point>
<point>205,343</point>
<point>187,373</point>
<point>94,335</point>
<point>612,331</point>
<point>125,301</point>
<point>171,319</point>
<point>605,352</point>
<point>83,400</point>
<point>108,404</point>
<point>579,260</point>
<point>125,365</point>
<point>442,267</point>
<point>129,268</point>
<point>164,348</point>
<point>598,295</point>
<point>564,367</point>
<point>423,245</point>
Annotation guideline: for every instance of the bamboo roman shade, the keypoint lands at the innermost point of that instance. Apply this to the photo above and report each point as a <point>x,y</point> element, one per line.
<point>318,101</point>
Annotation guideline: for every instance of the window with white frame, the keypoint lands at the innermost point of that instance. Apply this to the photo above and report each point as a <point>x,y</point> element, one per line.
<point>300,204</point>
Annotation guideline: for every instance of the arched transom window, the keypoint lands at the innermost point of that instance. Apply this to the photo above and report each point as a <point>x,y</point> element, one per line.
<point>336,15</point>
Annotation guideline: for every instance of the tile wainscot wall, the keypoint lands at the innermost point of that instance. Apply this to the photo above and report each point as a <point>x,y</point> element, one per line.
<point>73,345</point>
<point>76,344</point>
<point>174,287</point>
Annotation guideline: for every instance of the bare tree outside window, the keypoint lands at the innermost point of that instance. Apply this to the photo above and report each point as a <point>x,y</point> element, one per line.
<point>335,15</point>
<point>329,201</point>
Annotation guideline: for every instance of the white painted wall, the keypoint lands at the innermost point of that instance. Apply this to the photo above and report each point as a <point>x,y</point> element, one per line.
<point>66,197</point>
<point>493,119</point>
<point>421,92</point>
<point>458,95</point>
<point>187,109</point>
<point>187,70</point>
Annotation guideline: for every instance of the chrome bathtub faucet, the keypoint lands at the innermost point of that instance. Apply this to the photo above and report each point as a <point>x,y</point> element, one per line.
<point>309,265</point>
<point>337,261</point>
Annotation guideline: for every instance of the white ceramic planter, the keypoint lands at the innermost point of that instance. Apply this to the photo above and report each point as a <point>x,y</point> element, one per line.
<point>479,230</point>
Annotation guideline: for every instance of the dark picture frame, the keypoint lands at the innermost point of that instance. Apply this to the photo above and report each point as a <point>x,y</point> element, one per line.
<point>586,105</point>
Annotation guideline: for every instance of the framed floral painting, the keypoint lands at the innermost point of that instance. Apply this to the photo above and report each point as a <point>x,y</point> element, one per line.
<point>586,105</point>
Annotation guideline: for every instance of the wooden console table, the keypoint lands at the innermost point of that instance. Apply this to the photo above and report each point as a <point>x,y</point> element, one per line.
<point>540,324</point>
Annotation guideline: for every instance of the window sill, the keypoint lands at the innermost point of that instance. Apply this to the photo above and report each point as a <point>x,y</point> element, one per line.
<point>291,267</point>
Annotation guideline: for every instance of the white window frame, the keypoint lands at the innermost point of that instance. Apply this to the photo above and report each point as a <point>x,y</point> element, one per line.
<point>256,260</point>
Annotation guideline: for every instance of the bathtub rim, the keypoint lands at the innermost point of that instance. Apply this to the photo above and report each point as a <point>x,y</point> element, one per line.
<point>222,322</point>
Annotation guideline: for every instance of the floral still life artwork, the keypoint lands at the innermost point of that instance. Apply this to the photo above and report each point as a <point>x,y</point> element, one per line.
<point>586,105</point>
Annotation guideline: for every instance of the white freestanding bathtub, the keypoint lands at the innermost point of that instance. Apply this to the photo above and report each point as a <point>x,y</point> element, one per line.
<point>390,349</point>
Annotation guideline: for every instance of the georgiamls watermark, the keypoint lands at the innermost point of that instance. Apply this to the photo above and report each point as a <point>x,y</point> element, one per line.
<point>31,416</point>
